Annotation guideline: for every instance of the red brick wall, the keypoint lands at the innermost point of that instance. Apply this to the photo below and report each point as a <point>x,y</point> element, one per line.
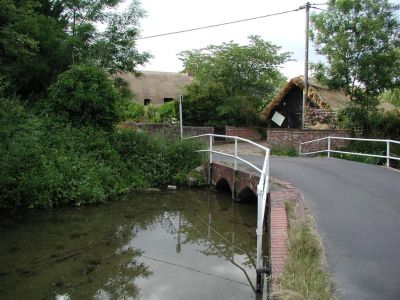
<point>252,133</point>
<point>169,131</point>
<point>238,180</point>
<point>293,137</point>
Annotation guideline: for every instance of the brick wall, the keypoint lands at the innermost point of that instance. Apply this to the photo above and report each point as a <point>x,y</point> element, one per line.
<point>251,133</point>
<point>293,137</point>
<point>169,131</point>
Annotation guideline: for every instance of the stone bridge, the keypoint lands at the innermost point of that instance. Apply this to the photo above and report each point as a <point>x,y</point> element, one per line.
<point>242,184</point>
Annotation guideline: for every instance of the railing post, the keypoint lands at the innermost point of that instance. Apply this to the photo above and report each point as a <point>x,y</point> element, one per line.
<point>388,153</point>
<point>299,149</point>
<point>329,146</point>
<point>259,233</point>
<point>236,153</point>
<point>211,158</point>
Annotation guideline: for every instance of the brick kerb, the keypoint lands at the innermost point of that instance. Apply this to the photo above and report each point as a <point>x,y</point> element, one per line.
<point>279,222</point>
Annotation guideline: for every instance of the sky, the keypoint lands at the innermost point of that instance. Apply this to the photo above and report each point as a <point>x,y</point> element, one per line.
<point>286,31</point>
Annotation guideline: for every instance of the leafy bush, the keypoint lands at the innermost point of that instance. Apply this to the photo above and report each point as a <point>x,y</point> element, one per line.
<point>350,116</point>
<point>167,112</point>
<point>127,109</point>
<point>85,96</point>
<point>157,162</point>
<point>46,163</point>
<point>377,148</point>
<point>237,111</point>
<point>375,124</point>
<point>200,102</point>
<point>151,112</point>
<point>182,159</point>
<point>392,96</point>
<point>164,113</point>
<point>133,112</point>
<point>284,151</point>
<point>387,125</point>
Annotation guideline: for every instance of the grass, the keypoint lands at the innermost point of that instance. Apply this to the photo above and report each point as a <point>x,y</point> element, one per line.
<point>304,275</point>
<point>377,148</point>
<point>363,159</point>
<point>285,150</point>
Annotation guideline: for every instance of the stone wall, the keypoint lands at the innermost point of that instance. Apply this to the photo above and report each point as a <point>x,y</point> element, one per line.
<point>250,133</point>
<point>169,131</point>
<point>293,137</point>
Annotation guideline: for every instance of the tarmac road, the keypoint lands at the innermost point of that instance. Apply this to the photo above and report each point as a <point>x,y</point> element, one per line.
<point>356,208</point>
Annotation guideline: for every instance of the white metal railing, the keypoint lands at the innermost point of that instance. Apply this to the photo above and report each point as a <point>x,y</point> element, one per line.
<point>329,149</point>
<point>262,187</point>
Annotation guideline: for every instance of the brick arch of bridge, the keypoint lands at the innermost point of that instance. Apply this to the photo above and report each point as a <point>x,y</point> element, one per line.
<point>240,182</point>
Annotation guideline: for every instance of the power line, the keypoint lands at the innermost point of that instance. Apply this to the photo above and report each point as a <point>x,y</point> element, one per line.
<point>318,8</point>
<point>220,24</point>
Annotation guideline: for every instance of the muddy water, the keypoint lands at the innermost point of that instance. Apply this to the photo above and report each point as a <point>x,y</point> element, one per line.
<point>188,244</point>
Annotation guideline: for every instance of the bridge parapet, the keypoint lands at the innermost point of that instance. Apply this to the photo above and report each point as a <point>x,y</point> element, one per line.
<point>240,182</point>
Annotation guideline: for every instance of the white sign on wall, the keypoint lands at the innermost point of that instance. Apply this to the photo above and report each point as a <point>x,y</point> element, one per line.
<point>278,118</point>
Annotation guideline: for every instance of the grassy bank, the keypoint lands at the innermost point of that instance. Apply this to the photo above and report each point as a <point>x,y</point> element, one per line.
<point>304,275</point>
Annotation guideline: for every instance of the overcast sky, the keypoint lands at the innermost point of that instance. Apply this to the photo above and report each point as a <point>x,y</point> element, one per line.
<point>286,30</point>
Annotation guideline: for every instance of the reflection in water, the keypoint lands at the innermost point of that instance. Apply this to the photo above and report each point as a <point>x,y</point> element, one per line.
<point>177,245</point>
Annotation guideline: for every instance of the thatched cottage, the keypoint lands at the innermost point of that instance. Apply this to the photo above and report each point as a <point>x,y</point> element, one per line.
<point>321,107</point>
<point>156,87</point>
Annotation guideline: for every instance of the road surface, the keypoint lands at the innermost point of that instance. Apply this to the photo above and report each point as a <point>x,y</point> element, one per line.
<point>356,208</point>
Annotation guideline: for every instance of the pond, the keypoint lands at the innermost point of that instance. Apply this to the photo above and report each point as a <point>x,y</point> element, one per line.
<point>186,244</point>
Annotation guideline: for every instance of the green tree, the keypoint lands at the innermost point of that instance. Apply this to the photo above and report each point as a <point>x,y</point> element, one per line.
<point>360,40</point>
<point>14,40</point>
<point>30,44</point>
<point>85,96</point>
<point>46,36</point>
<point>248,74</point>
<point>113,48</point>
<point>244,70</point>
<point>200,103</point>
<point>80,17</point>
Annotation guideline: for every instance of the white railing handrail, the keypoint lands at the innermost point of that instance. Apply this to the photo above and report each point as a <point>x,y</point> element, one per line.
<point>233,156</point>
<point>262,187</point>
<point>388,155</point>
<point>229,137</point>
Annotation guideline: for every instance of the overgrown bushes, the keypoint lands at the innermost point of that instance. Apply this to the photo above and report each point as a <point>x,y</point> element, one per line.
<point>375,123</point>
<point>46,163</point>
<point>85,96</point>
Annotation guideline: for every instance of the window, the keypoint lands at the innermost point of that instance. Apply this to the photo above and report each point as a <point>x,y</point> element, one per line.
<point>146,102</point>
<point>168,100</point>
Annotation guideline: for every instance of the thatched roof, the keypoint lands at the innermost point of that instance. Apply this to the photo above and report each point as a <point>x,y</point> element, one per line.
<point>156,85</point>
<point>387,107</point>
<point>322,96</point>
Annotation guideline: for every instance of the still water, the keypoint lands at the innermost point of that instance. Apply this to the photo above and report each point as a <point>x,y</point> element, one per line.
<point>188,244</point>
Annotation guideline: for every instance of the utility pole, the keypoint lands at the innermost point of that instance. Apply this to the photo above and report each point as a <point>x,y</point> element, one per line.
<point>180,98</point>
<point>305,88</point>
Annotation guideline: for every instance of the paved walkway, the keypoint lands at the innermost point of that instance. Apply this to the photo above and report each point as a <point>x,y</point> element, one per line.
<point>357,212</point>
